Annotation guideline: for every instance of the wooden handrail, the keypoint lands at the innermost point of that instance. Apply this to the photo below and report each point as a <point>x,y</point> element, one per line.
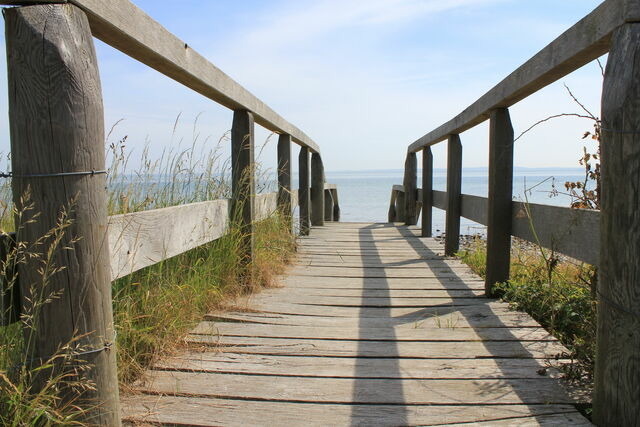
<point>579,45</point>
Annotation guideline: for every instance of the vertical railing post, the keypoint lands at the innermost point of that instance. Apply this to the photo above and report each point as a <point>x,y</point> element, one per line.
<point>427,192</point>
<point>617,371</point>
<point>454,184</point>
<point>500,198</point>
<point>284,176</point>
<point>317,190</point>
<point>304,199</point>
<point>328,205</point>
<point>410,184</point>
<point>336,204</point>
<point>242,179</point>
<point>57,128</point>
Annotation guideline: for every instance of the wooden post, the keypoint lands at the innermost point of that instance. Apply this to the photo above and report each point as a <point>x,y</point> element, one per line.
<point>328,205</point>
<point>427,195</point>
<point>284,175</point>
<point>303,191</point>
<point>410,184</point>
<point>392,215</point>
<point>617,373</point>
<point>500,198</point>
<point>454,184</point>
<point>336,204</point>
<point>242,179</point>
<point>57,128</point>
<point>317,190</point>
<point>401,212</point>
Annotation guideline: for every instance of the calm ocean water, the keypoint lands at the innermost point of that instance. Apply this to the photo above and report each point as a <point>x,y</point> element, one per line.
<point>364,195</point>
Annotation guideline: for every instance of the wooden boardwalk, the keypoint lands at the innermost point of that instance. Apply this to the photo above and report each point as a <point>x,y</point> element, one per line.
<point>371,327</point>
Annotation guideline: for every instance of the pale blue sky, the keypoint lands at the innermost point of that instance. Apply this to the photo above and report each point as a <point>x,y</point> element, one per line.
<point>362,78</point>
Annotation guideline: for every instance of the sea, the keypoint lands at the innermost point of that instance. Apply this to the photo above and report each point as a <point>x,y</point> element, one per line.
<point>364,195</point>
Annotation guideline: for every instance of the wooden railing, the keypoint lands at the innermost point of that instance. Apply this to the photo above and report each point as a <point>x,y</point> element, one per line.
<point>609,239</point>
<point>57,147</point>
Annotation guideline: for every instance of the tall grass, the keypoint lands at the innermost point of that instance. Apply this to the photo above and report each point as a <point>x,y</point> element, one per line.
<point>155,306</point>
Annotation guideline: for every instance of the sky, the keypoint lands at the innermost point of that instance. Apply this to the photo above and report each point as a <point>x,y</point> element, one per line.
<point>363,79</point>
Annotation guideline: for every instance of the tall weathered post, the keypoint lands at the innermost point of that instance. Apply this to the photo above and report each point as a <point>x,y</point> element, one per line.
<point>427,194</point>
<point>454,185</point>
<point>410,183</point>
<point>317,190</point>
<point>500,195</point>
<point>58,161</point>
<point>284,175</point>
<point>617,373</point>
<point>304,197</point>
<point>242,179</point>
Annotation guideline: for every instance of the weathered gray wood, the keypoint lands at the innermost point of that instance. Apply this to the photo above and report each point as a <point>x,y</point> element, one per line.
<point>328,205</point>
<point>243,187</point>
<point>573,232</point>
<point>209,361</point>
<point>174,410</point>
<point>336,204</point>
<point>474,208</point>
<point>392,215</point>
<point>584,42</point>
<point>454,185</point>
<point>140,239</point>
<point>617,380</point>
<point>500,194</point>
<point>124,26</point>
<point>317,190</point>
<point>401,206</point>
<point>439,199</point>
<point>284,174</point>
<point>427,195</point>
<point>57,126</point>
<point>410,184</point>
<point>304,192</point>
<point>10,300</point>
<point>371,390</point>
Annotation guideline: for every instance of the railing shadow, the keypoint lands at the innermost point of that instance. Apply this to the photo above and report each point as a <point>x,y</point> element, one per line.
<point>477,315</point>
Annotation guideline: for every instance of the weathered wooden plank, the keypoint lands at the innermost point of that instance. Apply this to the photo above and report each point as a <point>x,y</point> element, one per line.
<point>439,199</point>
<point>417,334</point>
<point>573,232</point>
<point>383,302</point>
<point>474,208</point>
<point>304,282</point>
<point>377,293</point>
<point>122,25</point>
<point>482,320</point>
<point>365,390</point>
<point>264,205</point>
<point>499,203</point>
<point>587,40</point>
<point>140,239</point>
<point>376,272</point>
<point>344,367</point>
<point>617,379</point>
<point>175,410</point>
<point>57,128</point>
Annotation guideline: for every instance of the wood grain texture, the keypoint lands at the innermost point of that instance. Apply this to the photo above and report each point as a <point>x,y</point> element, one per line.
<point>140,239</point>
<point>345,341</point>
<point>410,186</point>
<point>57,126</point>
<point>426,193</point>
<point>499,201</point>
<point>304,192</point>
<point>284,174</point>
<point>243,186</point>
<point>617,381</point>
<point>317,190</point>
<point>454,185</point>
<point>587,40</point>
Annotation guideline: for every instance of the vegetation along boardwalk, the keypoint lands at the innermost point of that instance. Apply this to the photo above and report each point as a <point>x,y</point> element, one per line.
<point>372,325</point>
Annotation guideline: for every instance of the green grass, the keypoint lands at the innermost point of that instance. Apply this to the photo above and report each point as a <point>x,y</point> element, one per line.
<point>564,305</point>
<point>156,306</point>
